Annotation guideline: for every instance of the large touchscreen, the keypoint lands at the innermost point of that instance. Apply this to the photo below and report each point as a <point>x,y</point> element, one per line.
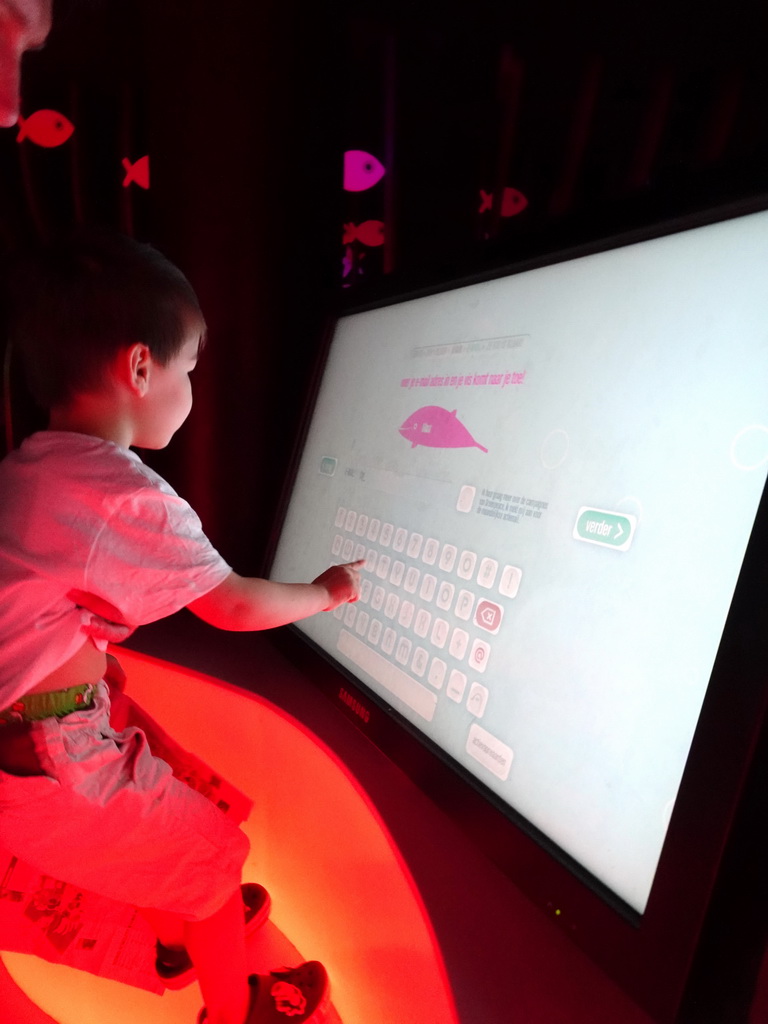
<point>552,477</point>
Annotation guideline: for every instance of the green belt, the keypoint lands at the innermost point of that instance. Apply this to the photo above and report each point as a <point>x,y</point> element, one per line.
<point>34,706</point>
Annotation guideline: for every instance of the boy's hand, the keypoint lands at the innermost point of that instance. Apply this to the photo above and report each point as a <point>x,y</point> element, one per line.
<point>342,583</point>
<point>106,623</point>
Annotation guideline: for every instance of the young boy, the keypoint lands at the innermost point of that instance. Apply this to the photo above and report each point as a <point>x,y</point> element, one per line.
<point>93,543</point>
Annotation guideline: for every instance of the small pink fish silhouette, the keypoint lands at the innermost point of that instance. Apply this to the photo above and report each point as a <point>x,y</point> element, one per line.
<point>512,202</point>
<point>370,232</point>
<point>361,170</point>
<point>46,128</point>
<point>435,427</point>
<point>137,173</point>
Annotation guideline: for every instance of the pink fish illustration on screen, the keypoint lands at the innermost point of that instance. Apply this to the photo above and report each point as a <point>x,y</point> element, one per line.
<point>512,202</point>
<point>137,172</point>
<point>361,170</point>
<point>46,128</point>
<point>435,427</point>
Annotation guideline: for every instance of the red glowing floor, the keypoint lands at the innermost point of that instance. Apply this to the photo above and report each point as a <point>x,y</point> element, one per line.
<point>341,892</point>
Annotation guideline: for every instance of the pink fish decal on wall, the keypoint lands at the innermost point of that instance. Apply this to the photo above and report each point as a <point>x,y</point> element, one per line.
<point>46,128</point>
<point>512,202</point>
<point>137,172</point>
<point>370,232</point>
<point>361,170</point>
<point>435,427</point>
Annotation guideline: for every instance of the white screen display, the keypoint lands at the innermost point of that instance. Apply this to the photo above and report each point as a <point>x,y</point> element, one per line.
<point>553,477</point>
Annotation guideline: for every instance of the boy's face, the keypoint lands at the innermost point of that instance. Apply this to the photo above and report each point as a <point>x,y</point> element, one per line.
<point>168,399</point>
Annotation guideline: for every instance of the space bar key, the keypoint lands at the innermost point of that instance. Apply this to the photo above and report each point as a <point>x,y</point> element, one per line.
<point>417,697</point>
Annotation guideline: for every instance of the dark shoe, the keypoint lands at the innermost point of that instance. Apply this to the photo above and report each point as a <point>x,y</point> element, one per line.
<point>291,996</point>
<point>174,966</point>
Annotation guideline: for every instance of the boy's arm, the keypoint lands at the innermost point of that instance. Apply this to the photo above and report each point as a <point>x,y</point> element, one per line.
<point>247,603</point>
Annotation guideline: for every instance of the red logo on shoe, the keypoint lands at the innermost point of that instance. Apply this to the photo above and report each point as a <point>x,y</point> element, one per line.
<point>288,999</point>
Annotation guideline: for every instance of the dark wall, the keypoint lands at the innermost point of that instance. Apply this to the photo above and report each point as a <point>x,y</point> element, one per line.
<point>603,116</point>
<point>236,110</point>
<point>246,194</point>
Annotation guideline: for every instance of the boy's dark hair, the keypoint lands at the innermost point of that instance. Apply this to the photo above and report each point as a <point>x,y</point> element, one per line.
<point>75,305</point>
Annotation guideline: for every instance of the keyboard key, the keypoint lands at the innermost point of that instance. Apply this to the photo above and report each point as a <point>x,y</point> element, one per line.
<point>457,648</point>
<point>414,545</point>
<point>338,540</point>
<point>341,515</point>
<point>428,585</point>
<point>466,498</point>
<point>431,549</point>
<point>488,616</point>
<point>359,552</point>
<point>489,751</point>
<point>391,605</point>
<point>448,557</point>
<point>487,573</point>
<point>349,522</point>
<point>373,530</point>
<point>401,536</point>
<point>350,614</point>
<point>411,579</point>
<point>385,537</point>
<point>420,662</point>
<point>370,559</point>
<point>362,525</point>
<point>347,549</point>
<point>398,571</point>
<point>477,699</point>
<point>478,656</point>
<point>374,633</point>
<point>365,591</point>
<point>467,562</point>
<point>457,683</point>
<point>445,594</point>
<point>377,601</point>
<point>422,623</point>
<point>361,626</point>
<point>436,673</point>
<point>510,581</point>
<point>439,633</point>
<point>388,641</point>
<point>338,612</point>
<point>382,567</point>
<point>464,605</point>
<point>407,611</point>
<point>403,652</point>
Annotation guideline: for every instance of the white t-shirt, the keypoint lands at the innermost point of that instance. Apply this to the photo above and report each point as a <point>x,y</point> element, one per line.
<point>80,513</point>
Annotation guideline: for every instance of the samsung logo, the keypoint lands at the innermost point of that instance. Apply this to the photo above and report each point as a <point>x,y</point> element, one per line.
<point>354,705</point>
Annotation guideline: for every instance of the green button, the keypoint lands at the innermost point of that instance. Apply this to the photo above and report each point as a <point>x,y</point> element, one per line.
<point>611,529</point>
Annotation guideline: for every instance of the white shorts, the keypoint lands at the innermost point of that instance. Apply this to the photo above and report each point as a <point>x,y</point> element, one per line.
<point>105,814</point>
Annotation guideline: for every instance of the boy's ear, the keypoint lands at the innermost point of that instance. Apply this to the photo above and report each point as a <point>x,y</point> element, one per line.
<point>137,364</point>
